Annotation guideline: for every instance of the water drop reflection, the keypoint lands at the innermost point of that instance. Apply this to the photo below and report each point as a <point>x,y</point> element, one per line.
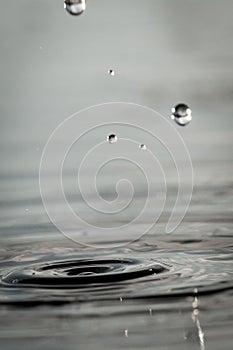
<point>75,7</point>
<point>111,72</point>
<point>181,113</point>
<point>112,138</point>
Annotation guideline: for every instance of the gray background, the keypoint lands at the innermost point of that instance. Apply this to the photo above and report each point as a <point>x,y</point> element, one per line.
<point>164,52</point>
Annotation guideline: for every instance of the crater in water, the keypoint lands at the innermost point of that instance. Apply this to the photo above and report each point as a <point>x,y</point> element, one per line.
<point>81,272</point>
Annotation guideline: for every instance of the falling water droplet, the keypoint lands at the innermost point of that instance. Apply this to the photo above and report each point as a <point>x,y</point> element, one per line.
<point>112,138</point>
<point>181,113</point>
<point>142,146</point>
<point>111,72</point>
<point>75,7</point>
<point>195,303</point>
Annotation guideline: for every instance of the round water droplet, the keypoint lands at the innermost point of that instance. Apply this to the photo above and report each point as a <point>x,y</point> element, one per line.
<point>142,146</point>
<point>112,138</point>
<point>181,113</point>
<point>111,72</point>
<point>75,7</point>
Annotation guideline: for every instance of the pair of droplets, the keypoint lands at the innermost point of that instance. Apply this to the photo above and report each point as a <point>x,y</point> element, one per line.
<point>112,138</point>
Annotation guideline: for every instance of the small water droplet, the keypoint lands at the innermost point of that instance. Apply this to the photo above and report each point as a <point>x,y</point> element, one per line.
<point>181,113</point>
<point>112,138</point>
<point>75,7</point>
<point>150,311</point>
<point>26,209</point>
<point>195,312</point>
<point>142,146</point>
<point>121,299</point>
<point>126,333</point>
<point>111,72</point>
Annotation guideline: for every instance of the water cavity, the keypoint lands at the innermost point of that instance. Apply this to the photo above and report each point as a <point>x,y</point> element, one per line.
<point>81,272</point>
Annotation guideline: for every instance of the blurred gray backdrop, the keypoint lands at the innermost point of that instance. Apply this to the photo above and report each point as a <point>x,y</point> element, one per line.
<point>164,52</point>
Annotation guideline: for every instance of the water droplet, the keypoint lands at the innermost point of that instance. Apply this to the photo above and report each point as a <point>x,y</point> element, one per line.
<point>142,146</point>
<point>112,138</point>
<point>126,333</point>
<point>195,312</point>
<point>195,303</point>
<point>111,72</point>
<point>75,7</point>
<point>27,209</point>
<point>181,113</point>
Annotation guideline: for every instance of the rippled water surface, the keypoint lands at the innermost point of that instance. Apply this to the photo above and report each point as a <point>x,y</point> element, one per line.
<point>160,291</point>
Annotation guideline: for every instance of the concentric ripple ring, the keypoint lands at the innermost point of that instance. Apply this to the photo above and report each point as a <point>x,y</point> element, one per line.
<point>81,272</point>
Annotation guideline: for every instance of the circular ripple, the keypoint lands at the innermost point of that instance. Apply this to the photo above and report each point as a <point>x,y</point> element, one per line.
<point>80,272</point>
